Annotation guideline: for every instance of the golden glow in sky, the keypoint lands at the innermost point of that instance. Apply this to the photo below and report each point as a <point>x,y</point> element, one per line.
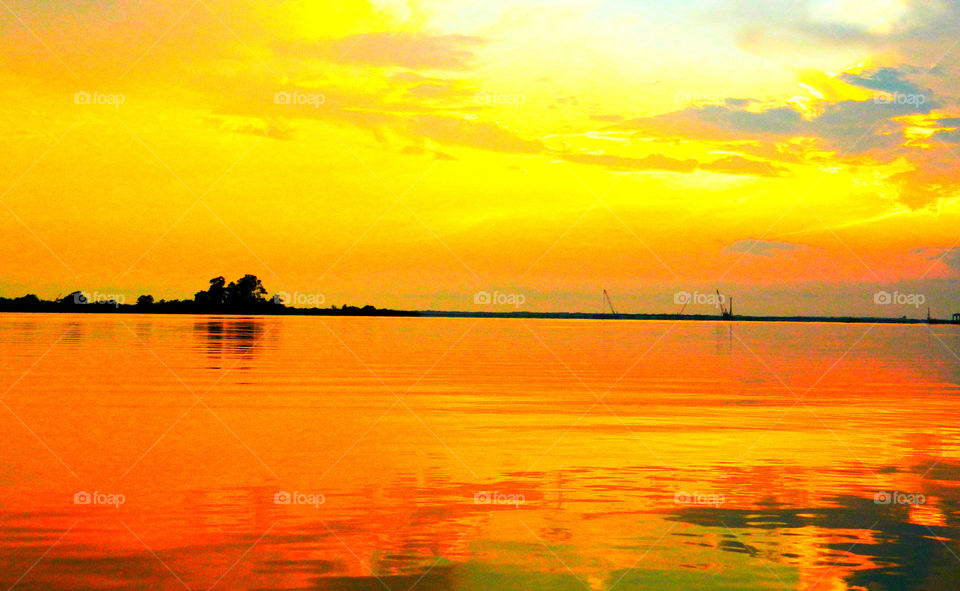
<point>411,153</point>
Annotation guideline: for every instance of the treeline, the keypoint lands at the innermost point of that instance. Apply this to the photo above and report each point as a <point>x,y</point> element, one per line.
<point>246,295</point>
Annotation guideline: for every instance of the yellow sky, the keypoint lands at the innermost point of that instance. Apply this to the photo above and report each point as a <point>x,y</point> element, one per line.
<point>412,153</point>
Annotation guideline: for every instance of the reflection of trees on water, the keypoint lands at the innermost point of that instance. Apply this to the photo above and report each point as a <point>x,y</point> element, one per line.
<point>235,339</point>
<point>73,334</point>
<point>19,333</point>
<point>895,550</point>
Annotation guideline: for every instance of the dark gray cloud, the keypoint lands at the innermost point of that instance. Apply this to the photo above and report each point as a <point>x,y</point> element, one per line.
<point>949,257</point>
<point>852,127</point>
<point>856,127</point>
<point>884,79</point>
<point>952,259</point>
<point>950,137</point>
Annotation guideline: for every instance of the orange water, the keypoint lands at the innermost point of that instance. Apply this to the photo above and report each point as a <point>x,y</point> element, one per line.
<point>476,454</point>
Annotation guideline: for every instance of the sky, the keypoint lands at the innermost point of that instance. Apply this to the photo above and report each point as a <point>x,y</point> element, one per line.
<point>800,156</point>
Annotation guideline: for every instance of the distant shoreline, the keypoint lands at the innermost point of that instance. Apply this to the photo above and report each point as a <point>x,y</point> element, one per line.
<point>247,296</point>
<point>375,312</point>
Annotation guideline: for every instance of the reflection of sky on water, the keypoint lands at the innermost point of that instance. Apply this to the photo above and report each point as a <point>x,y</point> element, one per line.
<point>794,442</point>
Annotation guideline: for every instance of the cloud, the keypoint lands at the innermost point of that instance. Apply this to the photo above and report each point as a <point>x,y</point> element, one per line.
<point>951,137</point>
<point>720,123</point>
<point>763,248</point>
<point>870,132</point>
<point>657,162</point>
<point>741,165</point>
<point>435,90</point>
<point>847,126</point>
<point>275,129</point>
<point>927,184</point>
<point>423,109</point>
<point>768,26</point>
<point>474,133</point>
<point>607,118</point>
<point>736,165</point>
<point>951,258</point>
<point>889,80</point>
<point>625,163</point>
<point>492,136</point>
<point>857,127</point>
<point>409,50</point>
<point>420,151</point>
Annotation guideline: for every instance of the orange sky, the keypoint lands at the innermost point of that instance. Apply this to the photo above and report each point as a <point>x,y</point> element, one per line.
<point>412,153</point>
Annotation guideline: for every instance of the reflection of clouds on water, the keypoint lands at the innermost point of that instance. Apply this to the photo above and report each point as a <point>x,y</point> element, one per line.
<point>18,332</point>
<point>874,546</point>
<point>867,543</point>
<point>445,540</point>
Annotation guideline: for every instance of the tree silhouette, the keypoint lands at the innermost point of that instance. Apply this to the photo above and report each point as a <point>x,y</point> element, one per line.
<point>217,291</point>
<point>215,294</point>
<point>246,291</point>
<point>28,300</point>
<point>73,299</point>
<point>247,296</point>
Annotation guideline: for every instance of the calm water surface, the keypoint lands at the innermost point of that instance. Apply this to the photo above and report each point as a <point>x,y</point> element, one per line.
<point>171,452</point>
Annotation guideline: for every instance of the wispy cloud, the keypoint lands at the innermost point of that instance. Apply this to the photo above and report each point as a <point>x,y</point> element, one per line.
<point>763,248</point>
<point>409,50</point>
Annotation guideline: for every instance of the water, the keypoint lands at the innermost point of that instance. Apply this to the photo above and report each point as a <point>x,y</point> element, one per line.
<point>476,454</point>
